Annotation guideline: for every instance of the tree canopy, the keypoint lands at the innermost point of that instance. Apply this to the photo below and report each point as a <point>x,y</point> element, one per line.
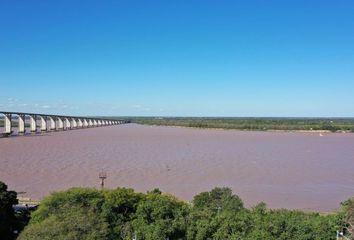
<point>7,215</point>
<point>82,213</point>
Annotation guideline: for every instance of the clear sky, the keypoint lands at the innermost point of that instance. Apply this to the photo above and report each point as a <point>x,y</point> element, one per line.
<point>178,58</point>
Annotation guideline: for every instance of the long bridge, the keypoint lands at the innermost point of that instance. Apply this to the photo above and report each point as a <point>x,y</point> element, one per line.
<point>38,122</point>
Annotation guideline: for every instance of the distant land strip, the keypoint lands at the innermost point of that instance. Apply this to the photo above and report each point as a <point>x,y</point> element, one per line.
<point>253,124</point>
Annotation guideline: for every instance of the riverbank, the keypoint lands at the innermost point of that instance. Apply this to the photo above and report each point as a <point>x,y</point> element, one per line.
<point>343,125</point>
<point>246,130</point>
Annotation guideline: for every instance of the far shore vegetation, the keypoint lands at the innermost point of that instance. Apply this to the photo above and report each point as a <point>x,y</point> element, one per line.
<point>253,124</point>
<point>122,213</point>
<point>245,123</point>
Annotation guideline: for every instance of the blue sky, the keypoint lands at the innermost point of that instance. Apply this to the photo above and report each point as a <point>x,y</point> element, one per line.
<point>178,58</point>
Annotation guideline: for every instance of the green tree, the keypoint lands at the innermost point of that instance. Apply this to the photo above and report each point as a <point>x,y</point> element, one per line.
<point>8,220</point>
<point>232,225</point>
<point>119,211</point>
<point>73,214</point>
<point>291,224</point>
<point>160,216</point>
<point>218,199</point>
<point>347,211</point>
<point>216,215</point>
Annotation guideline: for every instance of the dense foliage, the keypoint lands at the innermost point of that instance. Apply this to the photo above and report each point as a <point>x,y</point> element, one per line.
<point>81,213</point>
<point>262,124</point>
<point>7,215</point>
<point>348,212</point>
<point>11,221</point>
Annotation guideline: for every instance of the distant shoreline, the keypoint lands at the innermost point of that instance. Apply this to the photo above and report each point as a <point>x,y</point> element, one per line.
<point>244,130</point>
<point>306,125</point>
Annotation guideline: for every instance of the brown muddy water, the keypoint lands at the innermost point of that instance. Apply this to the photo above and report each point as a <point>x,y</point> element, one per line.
<point>283,169</point>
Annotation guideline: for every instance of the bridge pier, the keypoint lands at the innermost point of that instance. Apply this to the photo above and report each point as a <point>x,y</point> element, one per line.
<point>86,123</point>
<point>7,125</point>
<point>60,124</point>
<point>73,123</point>
<point>67,124</point>
<point>21,123</point>
<point>79,123</point>
<point>33,124</point>
<point>43,124</point>
<point>51,124</point>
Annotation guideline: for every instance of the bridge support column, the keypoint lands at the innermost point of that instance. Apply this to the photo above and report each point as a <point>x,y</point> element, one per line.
<point>90,123</point>
<point>33,125</point>
<point>86,123</point>
<point>60,125</point>
<point>21,124</point>
<point>99,123</point>
<point>79,123</point>
<point>73,123</point>
<point>94,123</point>
<point>51,124</point>
<point>7,125</point>
<point>67,124</point>
<point>43,123</point>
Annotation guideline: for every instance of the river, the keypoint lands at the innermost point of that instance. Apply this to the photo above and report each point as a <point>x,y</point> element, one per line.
<point>283,169</point>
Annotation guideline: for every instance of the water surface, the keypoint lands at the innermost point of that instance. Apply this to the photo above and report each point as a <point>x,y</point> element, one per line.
<point>283,169</point>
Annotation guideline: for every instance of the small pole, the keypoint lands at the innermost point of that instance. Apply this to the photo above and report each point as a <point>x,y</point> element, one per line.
<point>102,175</point>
